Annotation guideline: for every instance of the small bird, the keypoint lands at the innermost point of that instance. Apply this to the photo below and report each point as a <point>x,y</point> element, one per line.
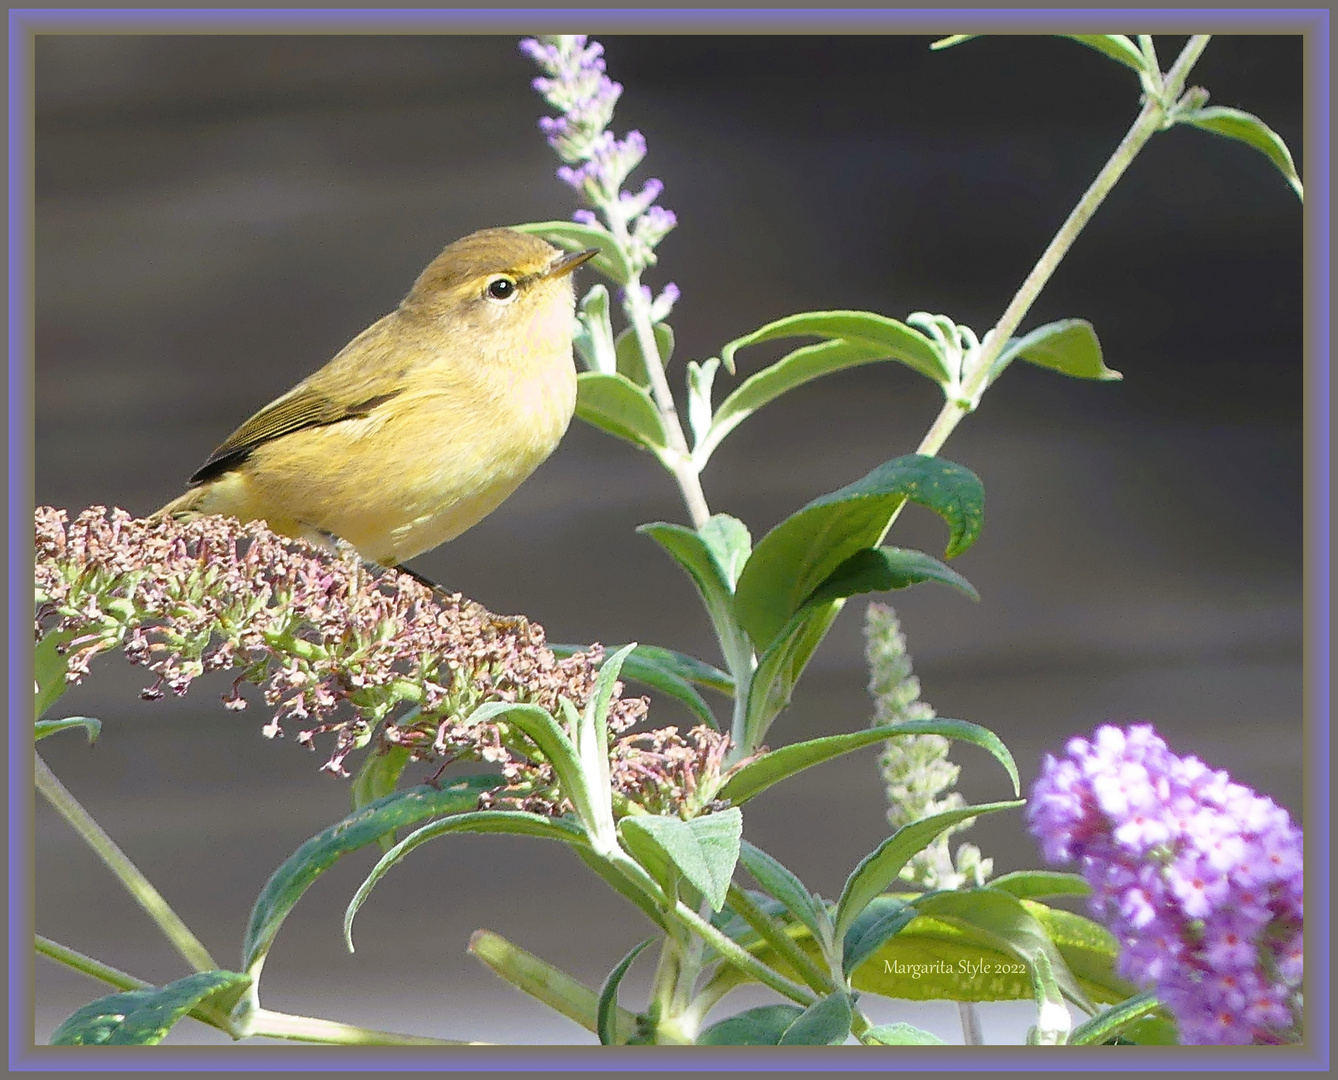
<point>426,421</point>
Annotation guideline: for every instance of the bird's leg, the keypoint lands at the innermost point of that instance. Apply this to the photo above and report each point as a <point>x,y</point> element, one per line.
<point>517,623</point>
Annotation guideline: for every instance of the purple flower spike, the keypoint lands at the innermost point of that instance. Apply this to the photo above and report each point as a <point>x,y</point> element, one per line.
<point>594,162</point>
<point>1198,877</point>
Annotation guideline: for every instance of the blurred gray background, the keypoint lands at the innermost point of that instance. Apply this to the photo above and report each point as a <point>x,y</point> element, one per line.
<point>217,216</point>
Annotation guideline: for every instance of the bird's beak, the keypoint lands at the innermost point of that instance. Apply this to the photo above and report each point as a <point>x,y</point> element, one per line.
<point>567,263</point>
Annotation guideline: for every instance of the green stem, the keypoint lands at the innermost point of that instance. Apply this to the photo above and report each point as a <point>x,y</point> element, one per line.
<point>115,859</point>
<point>544,982</point>
<point>774,934</point>
<point>277,1025</point>
<point>87,965</point>
<point>1150,120</point>
<point>685,474</point>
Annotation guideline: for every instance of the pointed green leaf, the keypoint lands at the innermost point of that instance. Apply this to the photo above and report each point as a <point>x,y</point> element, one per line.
<point>704,850</point>
<point>701,378</point>
<point>1039,884</point>
<point>571,236</point>
<point>593,339</point>
<point>771,768</point>
<point>1249,129</point>
<point>632,363</point>
<point>951,40</point>
<point>800,553</point>
<point>729,542</point>
<point>698,560</point>
<point>50,727</point>
<point>876,924</point>
<point>1114,1021</point>
<point>515,822</point>
<point>49,668</point>
<point>899,341</point>
<point>1010,923</point>
<point>1117,46</point>
<point>615,404</point>
<point>380,772</point>
<point>900,1035</point>
<point>1069,346</point>
<point>672,673</point>
<point>781,884</point>
<point>792,370</point>
<point>781,664</point>
<point>880,868</point>
<point>144,1017</point>
<point>1089,950</point>
<point>607,1007</point>
<point>824,1023</point>
<point>762,1026</point>
<point>885,568</point>
<point>403,808</point>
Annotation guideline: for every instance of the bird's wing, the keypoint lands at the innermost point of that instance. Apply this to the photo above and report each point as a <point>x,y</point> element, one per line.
<point>302,407</point>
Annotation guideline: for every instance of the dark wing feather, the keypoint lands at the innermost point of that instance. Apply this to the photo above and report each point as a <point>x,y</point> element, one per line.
<point>304,408</point>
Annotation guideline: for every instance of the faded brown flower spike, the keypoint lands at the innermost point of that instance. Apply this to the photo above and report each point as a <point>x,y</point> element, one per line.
<point>337,646</point>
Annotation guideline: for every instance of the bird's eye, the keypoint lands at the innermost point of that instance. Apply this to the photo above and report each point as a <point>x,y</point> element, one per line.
<point>501,289</point>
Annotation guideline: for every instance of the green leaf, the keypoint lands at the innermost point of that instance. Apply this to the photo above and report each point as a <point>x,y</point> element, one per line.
<point>515,822</point>
<point>1114,1021</point>
<point>571,236</point>
<point>781,884</point>
<point>49,668</point>
<point>672,673</point>
<point>381,818</point>
<point>824,1023</point>
<point>1037,884</point>
<point>704,850</point>
<point>779,667</point>
<point>686,667</point>
<point>50,727</point>
<point>1118,47</point>
<point>1089,950</point>
<point>593,339</point>
<point>951,40</point>
<point>380,772</point>
<point>631,362</point>
<point>699,561</point>
<point>615,404</point>
<point>883,919</point>
<point>1069,346</point>
<point>900,1035</point>
<point>144,1017</point>
<point>897,340</point>
<point>553,743</point>
<point>794,369</point>
<point>880,867</point>
<point>607,1008</point>
<point>701,377</point>
<point>729,542</point>
<point>853,338</point>
<point>1012,926</point>
<point>884,568</point>
<point>799,554</point>
<point>762,1026</point>
<point>771,768</point>
<point>1249,129</point>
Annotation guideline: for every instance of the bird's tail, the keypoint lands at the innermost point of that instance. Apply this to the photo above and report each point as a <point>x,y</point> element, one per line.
<point>183,506</point>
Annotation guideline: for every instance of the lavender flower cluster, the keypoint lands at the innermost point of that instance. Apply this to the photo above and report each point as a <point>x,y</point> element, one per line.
<point>318,630</point>
<point>596,163</point>
<point>1199,878</point>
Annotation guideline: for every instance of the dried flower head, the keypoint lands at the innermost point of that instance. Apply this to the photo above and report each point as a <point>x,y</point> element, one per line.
<point>338,646</point>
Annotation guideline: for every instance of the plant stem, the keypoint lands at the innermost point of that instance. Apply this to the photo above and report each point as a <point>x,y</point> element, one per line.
<point>277,1025</point>
<point>774,934</point>
<point>1149,121</point>
<point>638,312</point>
<point>115,859</point>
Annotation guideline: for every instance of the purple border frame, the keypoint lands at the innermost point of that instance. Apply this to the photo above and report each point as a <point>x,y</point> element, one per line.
<point>24,23</point>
